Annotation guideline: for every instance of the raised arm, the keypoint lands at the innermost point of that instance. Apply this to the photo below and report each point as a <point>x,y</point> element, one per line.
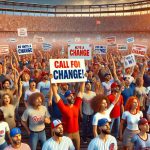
<point>81,91</point>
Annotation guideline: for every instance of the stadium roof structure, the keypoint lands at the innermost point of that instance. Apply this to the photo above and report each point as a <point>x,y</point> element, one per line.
<point>92,8</point>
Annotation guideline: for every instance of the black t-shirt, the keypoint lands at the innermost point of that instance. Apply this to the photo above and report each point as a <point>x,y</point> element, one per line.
<point>2,78</point>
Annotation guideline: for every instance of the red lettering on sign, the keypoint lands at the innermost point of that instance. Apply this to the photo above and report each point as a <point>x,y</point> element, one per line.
<point>81,52</point>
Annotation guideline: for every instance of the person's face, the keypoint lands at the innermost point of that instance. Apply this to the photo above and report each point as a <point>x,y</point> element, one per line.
<point>6,99</point>
<point>128,71</point>
<point>32,85</point>
<point>108,77</point>
<point>38,101</point>
<point>26,77</point>
<point>105,129</point>
<point>64,87</point>
<point>116,89</point>
<point>144,128</point>
<point>58,131</point>
<point>127,82</point>
<point>88,86</point>
<point>16,139</point>
<point>135,104</point>
<point>34,60</point>
<point>43,64</point>
<point>90,74</point>
<point>45,77</point>
<point>6,85</point>
<point>104,104</point>
<point>70,99</point>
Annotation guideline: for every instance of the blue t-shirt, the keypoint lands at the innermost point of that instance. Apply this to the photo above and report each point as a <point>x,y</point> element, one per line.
<point>140,144</point>
<point>128,92</point>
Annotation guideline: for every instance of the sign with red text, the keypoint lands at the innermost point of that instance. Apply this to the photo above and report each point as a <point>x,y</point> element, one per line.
<point>22,32</point>
<point>4,49</point>
<point>122,47</point>
<point>139,50</point>
<point>67,70</point>
<point>80,51</point>
<point>111,40</point>
<point>129,61</point>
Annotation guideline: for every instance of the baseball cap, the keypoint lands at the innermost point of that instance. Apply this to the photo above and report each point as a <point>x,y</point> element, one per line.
<point>102,122</point>
<point>114,85</point>
<point>88,81</point>
<point>15,131</point>
<point>68,92</point>
<point>55,123</point>
<point>106,74</point>
<point>32,80</point>
<point>142,121</point>
<point>44,73</point>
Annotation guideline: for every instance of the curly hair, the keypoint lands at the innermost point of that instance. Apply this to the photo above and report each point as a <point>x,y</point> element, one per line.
<point>34,96</point>
<point>97,101</point>
<point>11,99</point>
<point>130,102</point>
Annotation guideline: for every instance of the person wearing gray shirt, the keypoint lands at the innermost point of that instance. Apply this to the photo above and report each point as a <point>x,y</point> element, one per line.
<point>37,115</point>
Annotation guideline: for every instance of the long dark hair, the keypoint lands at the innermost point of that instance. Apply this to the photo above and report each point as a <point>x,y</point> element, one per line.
<point>1,116</point>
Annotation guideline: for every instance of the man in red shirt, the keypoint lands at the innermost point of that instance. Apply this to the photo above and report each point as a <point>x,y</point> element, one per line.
<point>117,110</point>
<point>70,113</point>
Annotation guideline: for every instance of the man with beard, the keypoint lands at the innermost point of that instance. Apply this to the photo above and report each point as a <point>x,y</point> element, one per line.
<point>58,141</point>
<point>104,141</point>
<point>15,134</point>
<point>70,112</point>
<point>117,110</point>
<point>36,115</point>
<point>87,112</point>
<point>44,87</point>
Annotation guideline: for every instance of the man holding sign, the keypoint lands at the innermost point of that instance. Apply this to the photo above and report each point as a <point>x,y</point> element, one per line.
<point>70,112</point>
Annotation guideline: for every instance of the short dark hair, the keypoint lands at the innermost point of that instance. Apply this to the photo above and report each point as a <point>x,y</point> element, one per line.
<point>2,116</point>
<point>34,96</point>
<point>6,81</point>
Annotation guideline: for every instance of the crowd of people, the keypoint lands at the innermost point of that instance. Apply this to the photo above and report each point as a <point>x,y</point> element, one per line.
<point>111,106</point>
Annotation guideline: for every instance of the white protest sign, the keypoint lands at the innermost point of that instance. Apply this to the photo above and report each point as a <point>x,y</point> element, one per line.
<point>4,49</point>
<point>77,39</point>
<point>22,32</point>
<point>67,70</point>
<point>80,51</point>
<point>46,46</point>
<point>12,40</point>
<point>122,47</point>
<point>38,39</point>
<point>129,61</point>
<point>130,40</point>
<point>100,49</point>
<point>139,50</point>
<point>23,49</point>
<point>111,40</point>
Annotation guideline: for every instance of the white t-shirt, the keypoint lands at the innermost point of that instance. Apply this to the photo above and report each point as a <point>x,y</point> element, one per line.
<point>65,144</point>
<point>3,129</point>
<point>25,85</point>
<point>28,93</point>
<point>22,147</point>
<point>99,144</point>
<point>132,120</point>
<point>98,115</point>
<point>107,87</point>
<point>87,110</point>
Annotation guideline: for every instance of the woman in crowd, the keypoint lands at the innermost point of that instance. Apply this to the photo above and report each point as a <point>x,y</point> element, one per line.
<point>9,104</point>
<point>4,129</point>
<point>100,105</point>
<point>130,117</point>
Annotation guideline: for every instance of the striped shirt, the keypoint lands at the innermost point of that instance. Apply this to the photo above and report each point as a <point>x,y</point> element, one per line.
<point>65,144</point>
<point>99,144</point>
